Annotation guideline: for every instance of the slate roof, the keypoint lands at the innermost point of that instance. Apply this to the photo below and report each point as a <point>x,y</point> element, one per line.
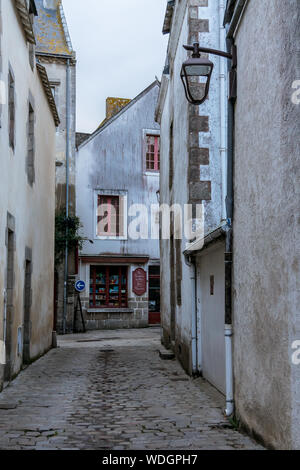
<point>51,31</point>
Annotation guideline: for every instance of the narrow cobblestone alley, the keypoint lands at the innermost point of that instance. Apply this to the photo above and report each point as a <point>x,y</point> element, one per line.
<point>111,390</point>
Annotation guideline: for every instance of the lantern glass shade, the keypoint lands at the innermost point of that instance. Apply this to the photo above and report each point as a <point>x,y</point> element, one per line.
<point>195,76</point>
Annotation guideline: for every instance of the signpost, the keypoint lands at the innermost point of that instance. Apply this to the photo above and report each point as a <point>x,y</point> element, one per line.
<point>79,287</point>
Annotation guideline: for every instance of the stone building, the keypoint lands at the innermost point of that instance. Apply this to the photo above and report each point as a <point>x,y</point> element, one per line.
<point>117,181</point>
<point>266,321</point>
<point>29,119</point>
<point>54,50</point>
<point>193,171</point>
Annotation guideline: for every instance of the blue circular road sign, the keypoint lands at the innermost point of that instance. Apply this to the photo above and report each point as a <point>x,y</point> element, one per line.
<point>80,286</point>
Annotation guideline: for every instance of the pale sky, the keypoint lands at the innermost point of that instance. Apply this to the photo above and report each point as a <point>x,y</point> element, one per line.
<point>120,48</point>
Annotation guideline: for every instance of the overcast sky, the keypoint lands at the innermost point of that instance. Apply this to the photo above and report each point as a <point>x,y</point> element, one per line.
<point>120,48</point>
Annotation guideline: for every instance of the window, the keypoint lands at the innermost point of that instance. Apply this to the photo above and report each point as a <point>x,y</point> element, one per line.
<point>152,153</point>
<point>110,215</point>
<point>171,158</point>
<point>54,85</point>
<point>108,287</point>
<point>53,92</point>
<point>11,109</point>
<point>31,52</point>
<point>30,148</point>
<point>154,295</point>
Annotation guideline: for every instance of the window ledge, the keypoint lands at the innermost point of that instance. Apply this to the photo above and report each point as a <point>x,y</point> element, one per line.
<point>110,310</point>
<point>152,173</point>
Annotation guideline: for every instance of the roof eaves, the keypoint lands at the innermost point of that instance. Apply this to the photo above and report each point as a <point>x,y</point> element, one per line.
<point>47,88</point>
<point>123,110</point>
<point>65,27</point>
<point>24,15</point>
<point>200,244</point>
<point>168,17</point>
<point>229,11</point>
<point>233,14</point>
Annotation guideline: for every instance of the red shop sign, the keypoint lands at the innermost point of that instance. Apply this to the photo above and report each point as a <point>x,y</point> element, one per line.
<point>139,281</point>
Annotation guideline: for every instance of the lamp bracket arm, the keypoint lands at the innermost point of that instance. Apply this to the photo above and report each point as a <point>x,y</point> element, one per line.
<point>196,48</point>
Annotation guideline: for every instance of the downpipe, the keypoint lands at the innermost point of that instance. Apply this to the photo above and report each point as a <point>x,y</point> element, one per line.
<point>194,319</point>
<point>229,410</point>
<point>66,268</point>
<point>230,406</point>
<point>223,119</point>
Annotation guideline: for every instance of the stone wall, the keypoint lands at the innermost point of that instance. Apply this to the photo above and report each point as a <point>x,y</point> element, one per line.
<point>266,223</point>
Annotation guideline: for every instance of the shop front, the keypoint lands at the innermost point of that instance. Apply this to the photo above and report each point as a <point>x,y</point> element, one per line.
<point>121,292</point>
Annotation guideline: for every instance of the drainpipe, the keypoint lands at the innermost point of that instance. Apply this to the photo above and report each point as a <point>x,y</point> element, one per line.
<point>223,150</point>
<point>191,263</point>
<point>228,260</point>
<point>194,318</point>
<point>67,191</point>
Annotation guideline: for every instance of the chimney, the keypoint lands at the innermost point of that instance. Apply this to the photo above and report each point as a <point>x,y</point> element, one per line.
<point>114,105</point>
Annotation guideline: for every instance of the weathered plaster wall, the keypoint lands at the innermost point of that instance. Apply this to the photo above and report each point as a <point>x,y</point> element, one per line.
<point>196,164</point>
<point>57,72</point>
<point>31,207</point>
<point>114,159</point>
<point>54,50</point>
<point>266,223</point>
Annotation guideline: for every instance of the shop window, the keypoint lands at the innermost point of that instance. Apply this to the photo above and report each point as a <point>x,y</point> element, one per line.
<point>108,287</point>
<point>110,216</point>
<point>152,153</point>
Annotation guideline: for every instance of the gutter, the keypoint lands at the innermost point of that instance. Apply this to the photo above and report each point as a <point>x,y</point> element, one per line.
<point>71,57</point>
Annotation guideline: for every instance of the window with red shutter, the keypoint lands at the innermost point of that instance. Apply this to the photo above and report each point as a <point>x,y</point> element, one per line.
<point>152,153</point>
<point>109,215</point>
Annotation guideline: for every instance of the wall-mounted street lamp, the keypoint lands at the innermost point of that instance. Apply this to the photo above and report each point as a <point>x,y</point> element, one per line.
<point>196,73</point>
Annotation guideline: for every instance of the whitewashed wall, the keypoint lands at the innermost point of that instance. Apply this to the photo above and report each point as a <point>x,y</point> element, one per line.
<point>31,207</point>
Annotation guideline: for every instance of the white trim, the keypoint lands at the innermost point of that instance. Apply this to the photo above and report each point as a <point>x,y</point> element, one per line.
<point>152,173</point>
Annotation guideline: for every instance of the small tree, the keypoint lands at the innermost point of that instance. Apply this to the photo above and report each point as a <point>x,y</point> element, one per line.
<point>66,230</point>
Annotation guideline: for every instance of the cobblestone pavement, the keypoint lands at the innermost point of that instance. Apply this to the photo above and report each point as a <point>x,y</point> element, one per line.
<point>111,390</point>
